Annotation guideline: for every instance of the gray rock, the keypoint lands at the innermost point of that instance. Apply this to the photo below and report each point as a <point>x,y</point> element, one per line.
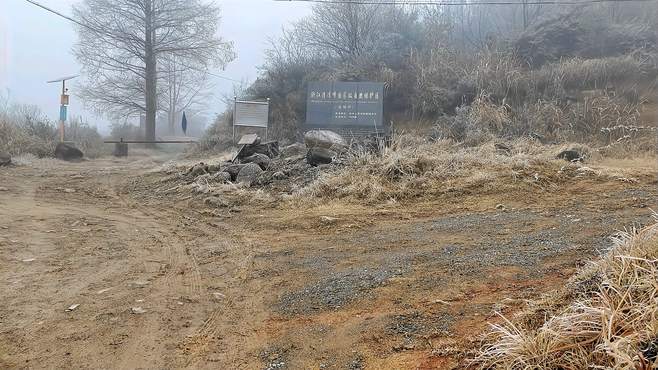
<point>68,152</point>
<point>570,155</point>
<point>270,149</point>
<point>324,139</point>
<point>198,170</point>
<point>249,173</point>
<point>261,160</point>
<point>319,156</point>
<point>233,170</point>
<point>294,150</point>
<point>5,159</point>
<point>213,168</point>
<point>220,177</point>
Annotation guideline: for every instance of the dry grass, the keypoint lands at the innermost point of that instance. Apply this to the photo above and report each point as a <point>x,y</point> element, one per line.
<point>26,137</point>
<point>414,166</point>
<point>587,74</point>
<point>607,317</point>
<point>25,130</point>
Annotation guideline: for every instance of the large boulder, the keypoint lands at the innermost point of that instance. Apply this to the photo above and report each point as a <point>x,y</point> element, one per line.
<point>324,139</point>
<point>318,156</point>
<point>249,173</point>
<point>260,159</point>
<point>68,152</point>
<point>293,150</point>
<point>5,159</point>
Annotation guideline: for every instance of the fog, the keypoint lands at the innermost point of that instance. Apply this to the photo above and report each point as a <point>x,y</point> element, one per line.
<point>35,46</point>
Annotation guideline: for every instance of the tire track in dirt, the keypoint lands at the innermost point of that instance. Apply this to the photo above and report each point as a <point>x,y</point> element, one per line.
<point>160,232</point>
<point>178,253</point>
<point>217,326</point>
<point>183,275</point>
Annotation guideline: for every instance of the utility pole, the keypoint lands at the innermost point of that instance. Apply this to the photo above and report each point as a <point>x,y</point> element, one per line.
<point>525,14</point>
<point>64,103</point>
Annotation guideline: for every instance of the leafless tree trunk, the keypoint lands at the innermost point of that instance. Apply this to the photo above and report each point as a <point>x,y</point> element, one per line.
<point>151,76</point>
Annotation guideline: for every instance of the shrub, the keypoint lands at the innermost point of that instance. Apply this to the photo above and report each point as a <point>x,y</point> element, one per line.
<point>25,130</point>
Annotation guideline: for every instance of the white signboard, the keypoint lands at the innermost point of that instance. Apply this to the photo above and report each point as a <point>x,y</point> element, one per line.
<point>251,113</point>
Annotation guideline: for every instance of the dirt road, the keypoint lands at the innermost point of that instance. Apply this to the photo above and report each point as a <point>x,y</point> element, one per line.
<point>158,282</point>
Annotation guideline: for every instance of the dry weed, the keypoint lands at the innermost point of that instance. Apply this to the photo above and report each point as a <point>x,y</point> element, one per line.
<point>404,171</point>
<point>607,317</point>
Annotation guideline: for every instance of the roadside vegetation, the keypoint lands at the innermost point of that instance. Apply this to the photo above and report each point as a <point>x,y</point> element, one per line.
<point>24,129</point>
<point>414,167</point>
<point>469,98</point>
<point>604,318</point>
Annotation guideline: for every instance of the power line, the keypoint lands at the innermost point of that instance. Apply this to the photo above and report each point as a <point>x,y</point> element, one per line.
<point>463,3</point>
<point>61,15</point>
<point>71,19</point>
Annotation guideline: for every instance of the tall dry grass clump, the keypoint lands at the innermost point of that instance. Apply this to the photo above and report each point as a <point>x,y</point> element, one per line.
<point>609,319</point>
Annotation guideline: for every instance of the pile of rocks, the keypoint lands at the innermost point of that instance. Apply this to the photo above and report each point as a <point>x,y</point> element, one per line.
<point>252,159</point>
<point>246,173</point>
<point>258,163</point>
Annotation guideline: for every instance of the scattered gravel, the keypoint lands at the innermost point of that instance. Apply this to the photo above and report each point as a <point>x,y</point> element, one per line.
<point>416,323</point>
<point>335,291</point>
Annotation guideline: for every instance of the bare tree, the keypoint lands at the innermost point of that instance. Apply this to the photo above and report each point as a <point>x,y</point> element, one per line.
<point>185,88</point>
<point>343,30</point>
<point>122,42</point>
<point>354,32</point>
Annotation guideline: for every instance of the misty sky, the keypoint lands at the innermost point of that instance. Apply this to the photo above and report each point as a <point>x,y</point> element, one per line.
<point>35,46</point>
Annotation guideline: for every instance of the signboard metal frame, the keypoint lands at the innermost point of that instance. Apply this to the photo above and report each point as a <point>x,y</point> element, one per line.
<point>236,118</point>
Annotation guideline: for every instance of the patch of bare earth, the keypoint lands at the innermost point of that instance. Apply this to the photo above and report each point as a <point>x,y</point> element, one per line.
<point>165,281</point>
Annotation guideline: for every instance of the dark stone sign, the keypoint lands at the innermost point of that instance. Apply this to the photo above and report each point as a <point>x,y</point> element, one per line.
<point>345,105</point>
